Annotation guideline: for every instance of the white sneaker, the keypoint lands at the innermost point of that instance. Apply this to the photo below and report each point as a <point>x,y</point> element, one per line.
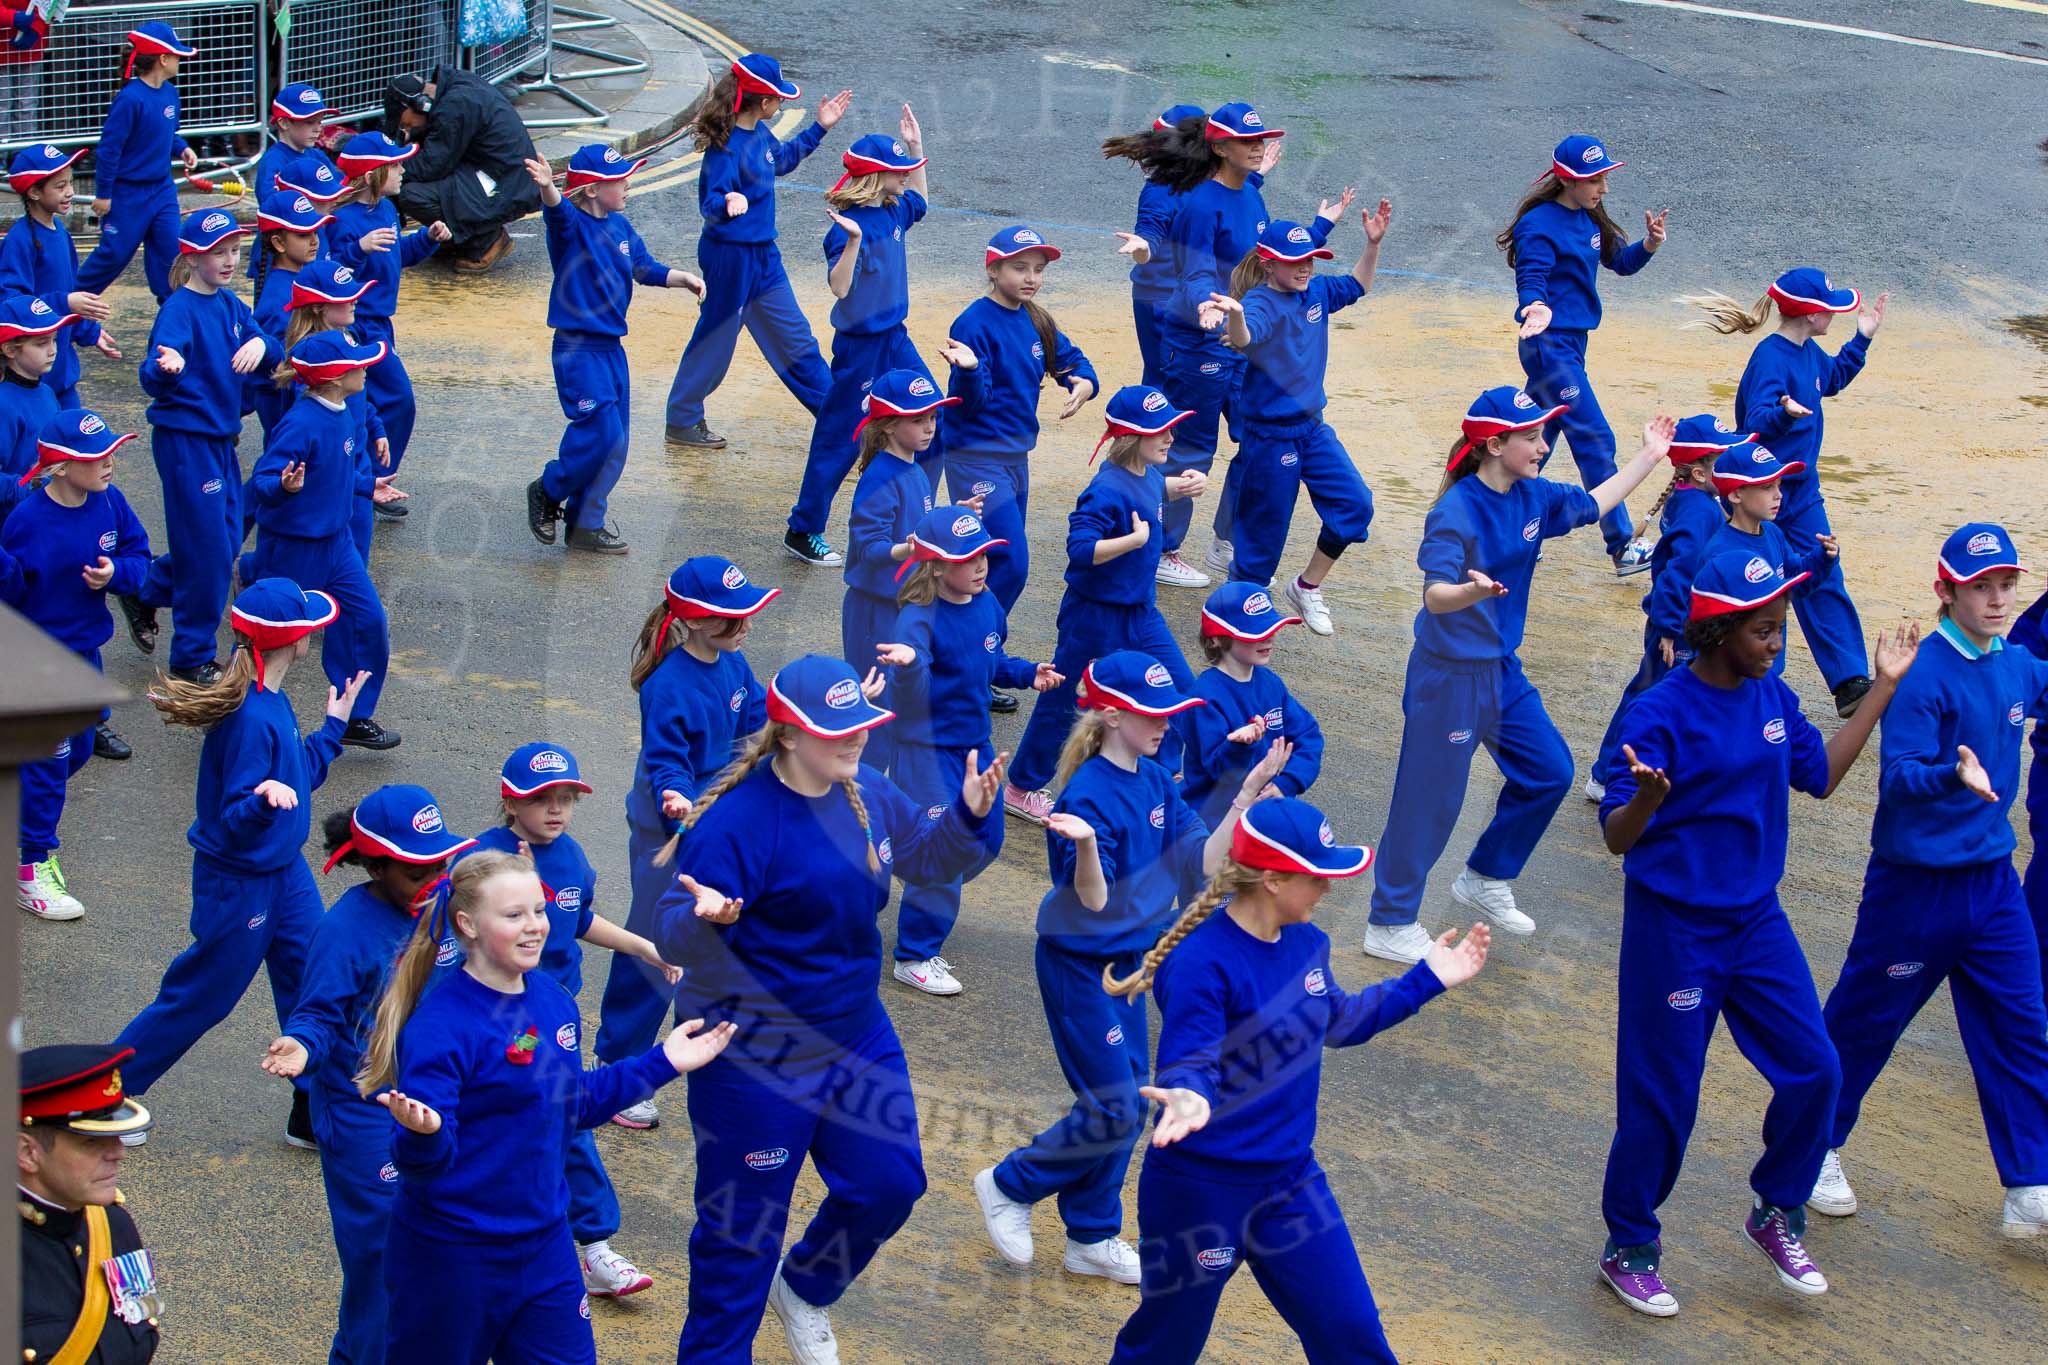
<point>1113,1259</point>
<point>1008,1222</point>
<point>608,1275</point>
<point>638,1116</point>
<point>2026,1211</point>
<point>1492,898</point>
<point>1308,604</point>
<point>1220,555</point>
<point>1831,1193</point>
<point>1398,942</point>
<point>39,890</point>
<point>933,976</point>
<point>1176,572</point>
<point>1596,790</point>
<point>807,1327</point>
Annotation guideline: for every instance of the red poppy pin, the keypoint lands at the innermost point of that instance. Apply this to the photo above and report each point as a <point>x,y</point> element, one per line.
<point>521,1051</point>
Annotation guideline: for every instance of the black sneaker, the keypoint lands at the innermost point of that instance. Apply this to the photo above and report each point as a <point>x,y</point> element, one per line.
<point>542,512</point>
<point>598,540</point>
<point>390,511</point>
<point>141,622</point>
<point>107,744</point>
<point>698,434</point>
<point>298,1129</point>
<point>206,675</point>
<point>364,733</point>
<point>1000,702</point>
<point>812,549</point>
<point>1850,695</point>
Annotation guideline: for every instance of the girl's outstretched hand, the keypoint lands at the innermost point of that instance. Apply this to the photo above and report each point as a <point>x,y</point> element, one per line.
<point>106,346</point>
<point>410,1113</point>
<point>1456,963</point>
<point>1251,732</point>
<point>377,239</point>
<point>1182,1111</point>
<point>687,1049</point>
<point>907,129</point>
<point>279,794</point>
<point>1082,389</point>
<point>247,356</point>
<point>1070,827</point>
<point>844,224</point>
<point>1658,434</point>
<point>1045,678</point>
<point>1268,768</point>
<point>1272,157</point>
<point>284,1057</point>
<point>1132,245</point>
<point>543,175</point>
<point>874,684</point>
<point>1216,311</point>
<point>1972,774</point>
<point>1872,318</point>
<point>1895,653</point>
<point>686,281</point>
<point>341,705</point>
<point>169,361</point>
<point>293,477</point>
<point>381,491</point>
<point>440,232</point>
<point>832,110</point>
<point>1653,228</point>
<point>895,655</point>
<point>958,354</point>
<point>99,573</point>
<point>1334,213</point>
<point>674,805</point>
<point>735,204</point>
<point>1376,222</point>
<point>980,789</point>
<point>1485,584</point>
<point>1535,318</point>
<point>1794,408</point>
<point>1653,783</point>
<point>713,905</point>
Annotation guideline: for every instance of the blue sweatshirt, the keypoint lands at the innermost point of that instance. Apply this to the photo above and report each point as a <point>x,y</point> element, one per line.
<point>1499,534</point>
<point>749,162</point>
<point>1954,694</point>
<point>565,870</point>
<point>1158,206</point>
<point>880,297</point>
<point>596,261</point>
<point>889,500</point>
<point>1687,526</point>
<point>43,261</point>
<point>1210,234</point>
<point>998,409</point>
<point>1150,845</point>
<point>1103,512</point>
<point>1557,260</point>
<point>258,741</point>
<point>271,312</point>
<point>1769,544</point>
<point>44,548</point>
<point>205,398</point>
<point>942,700</point>
<point>2030,633</point>
<point>799,970</point>
<point>26,405</point>
<point>1734,756</point>
<point>323,439</point>
<point>380,269</point>
<point>1290,351</point>
<point>262,185</point>
<point>1243,1023</point>
<point>1213,768</point>
<point>138,139</point>
<point>493,1171</point>
<point>693,716</point>
<point>1807,373</point>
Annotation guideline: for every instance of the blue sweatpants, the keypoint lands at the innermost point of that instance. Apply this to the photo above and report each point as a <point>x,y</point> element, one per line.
<point>355,1165</point>
<point>465,1303</point>
<point>1103,1045</point>
<point>1276,462</point>
<point>1148,316</point>
<point>241,920</point>
<point>1555,363</point>
<point>595,390</point>
<point>1450,708</point>
<point>856,360</point>
<point>1088,630</point>
<point>1915,928</point>
<point>1195,1229</point>
<point>142,216</point>
<point>1682,968</point>
<point>42,788</point>
<point>1648,674</point>
<point>593,1203</point>
<point>2036,883</point>
<point>744,283</point>
<point>854,1116</point>
<point>389,388</point>
<point>1200,373</point>
<point>636,997</point>
<point>866,621</point>
<point>1003,480</point>
<point>1827,618</point>
<point>362,521</point>
<point>202,483</point>
<point>360,638</point>
<point>931,778</point>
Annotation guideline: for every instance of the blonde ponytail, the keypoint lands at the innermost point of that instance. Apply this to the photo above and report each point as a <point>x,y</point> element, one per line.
<point>761,744</point>
<point>920,586</point>
<point>305,320</point>
<point>1084,741</point>
<point>1725,315</point>
<point>1231,879</point>
<point>1247,275</point>
<point>188,703</point>
<point>860,813</point>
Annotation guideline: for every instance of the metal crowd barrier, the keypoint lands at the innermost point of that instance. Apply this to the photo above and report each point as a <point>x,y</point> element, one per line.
<point>350,50</point>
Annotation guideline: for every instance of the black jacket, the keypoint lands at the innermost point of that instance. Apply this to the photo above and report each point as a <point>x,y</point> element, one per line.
<point>472,128</point>
<point>53,1284</point>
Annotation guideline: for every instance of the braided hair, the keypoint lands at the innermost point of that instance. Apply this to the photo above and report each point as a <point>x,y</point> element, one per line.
<point>762,744</point>
<point>1231,879</point>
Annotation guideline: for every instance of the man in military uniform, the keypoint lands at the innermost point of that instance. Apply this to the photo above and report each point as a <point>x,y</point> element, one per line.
<point>88,1287</point>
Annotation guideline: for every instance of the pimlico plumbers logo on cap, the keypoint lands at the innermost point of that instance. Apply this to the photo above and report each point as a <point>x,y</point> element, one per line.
<point>1325,834</point>
<point>1157,676</point>
<point>214,222</point>
<point>1154,401</point>
<point>1251,119</point>
<point>548,761</point>
<point>1297,234</point>
<point>90,426</point>
<point>41,309</point>
<point>732,577</point>
<point>1756,571</point>
<point>965,525</point>
<point>1523,400</point>
<point>343,275</point>
<point>1761,456</point>
<point>842,695</point>
<point>1592,156</point>
<point>1026,237</point>
<point>921,387</point>
<point>1720,425</point>
<point>50,150</point>
<point>1983,543</point>
<point>1258,604</point>
<point>427,820</point>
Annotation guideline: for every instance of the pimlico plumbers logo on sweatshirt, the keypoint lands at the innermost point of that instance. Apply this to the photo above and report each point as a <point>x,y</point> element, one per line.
<point>1316,983</point>
<point>565,1037</point>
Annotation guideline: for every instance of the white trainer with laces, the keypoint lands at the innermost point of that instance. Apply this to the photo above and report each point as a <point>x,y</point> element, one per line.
<point>933,976</point>
<point>1112,1259</point>
<point>1220,555</point>
<point>1492,898</point>
<point>638,1116</point>
<point>39,889</point>
<point>1831,1193</point>
<point>1008,1222</point>
<point>1596,790</point>
<point>2026,1211</point>
<point>1408,943</point>
<point>608,1275</point>
<point>1176,572</point>
<point>807,1327</point>
<point>1308,604</point>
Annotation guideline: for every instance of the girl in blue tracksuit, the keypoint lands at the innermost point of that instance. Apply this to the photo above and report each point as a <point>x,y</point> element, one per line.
<point>1123,849</point>
<point>946,653</point>
<point>1557,243</point>
<point>597,259</point>
<point>989,440</point>
<point>297,113</point>
<point>880,198</point>
<point>1696,806</point>
<point>1779,398</point>
<point>1278,315</point>
<point>698,700</point>
<point>135,198</point>
<point>364,237</point>
<point>254,903</point>
<point>1245,706</point>
<point>484,1079</point>
<point>1465,685</point>
<point>323,298</point>
<point>1688,518</point>
<point>785,867</point>
<point>288,227</point>
<point>204,342</point>
<point>30,329</point>
<point>397,837</point>
<point>62,550</point>
<point>304,487</point>
<point>38,257</point>
<point>1148,242</point>
<point>1941,900</point>
<point>742,268</point>
<point>1113,543</point>
<point>2030,633</point>
<point>1231,1176</point>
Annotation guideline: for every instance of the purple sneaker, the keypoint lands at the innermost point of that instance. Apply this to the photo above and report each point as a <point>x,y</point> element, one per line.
<point>1772,1231</point>
<point>1631,1272</point>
